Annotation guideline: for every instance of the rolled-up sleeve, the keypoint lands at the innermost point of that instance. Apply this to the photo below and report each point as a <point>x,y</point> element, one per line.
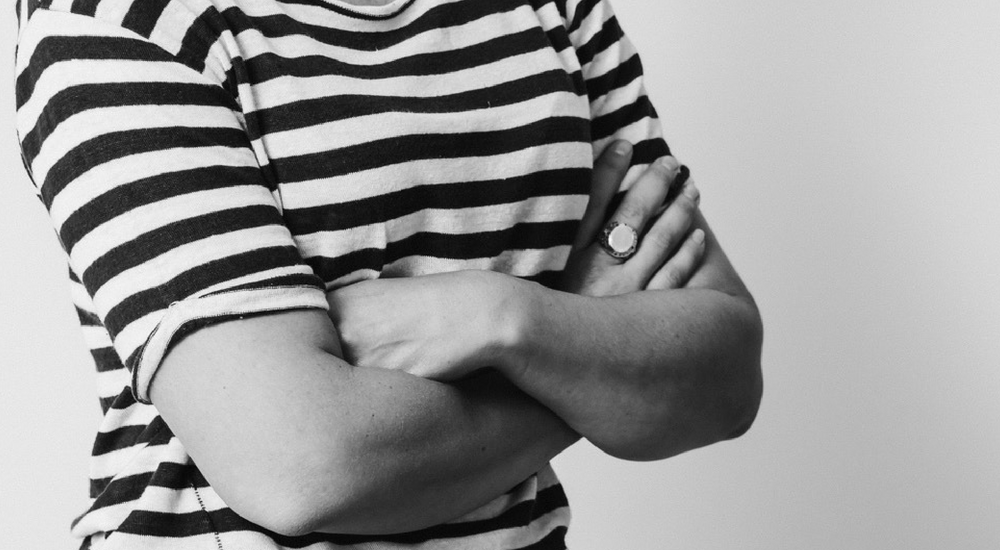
<point>152,187</point>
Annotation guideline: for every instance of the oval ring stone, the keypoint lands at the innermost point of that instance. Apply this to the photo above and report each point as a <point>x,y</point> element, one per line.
<point>622,238</point>
<point>619,240</point>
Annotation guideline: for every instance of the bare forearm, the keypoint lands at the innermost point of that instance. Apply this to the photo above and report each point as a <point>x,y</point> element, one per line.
<point>449,450</point>
<point>643,375</point>
<point>315,444</point>
<point>443,451</point>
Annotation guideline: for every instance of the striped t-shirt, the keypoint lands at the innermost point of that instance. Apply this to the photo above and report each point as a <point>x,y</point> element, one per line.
<point>202,159</point>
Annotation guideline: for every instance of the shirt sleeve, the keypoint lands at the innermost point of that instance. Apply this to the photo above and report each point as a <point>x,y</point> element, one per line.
<point>152,187</point>
<point>612,71</point>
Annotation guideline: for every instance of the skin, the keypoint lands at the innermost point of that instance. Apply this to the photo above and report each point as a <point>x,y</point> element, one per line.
<point>643,375</point>
<point>302,440</point>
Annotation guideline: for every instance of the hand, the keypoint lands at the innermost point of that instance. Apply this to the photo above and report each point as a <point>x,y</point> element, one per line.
<point>448,325</point>
<point>441,326</point>
<point>668,251</point>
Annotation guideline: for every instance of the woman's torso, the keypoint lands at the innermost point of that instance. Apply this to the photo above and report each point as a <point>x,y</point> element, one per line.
<point>400,139</point>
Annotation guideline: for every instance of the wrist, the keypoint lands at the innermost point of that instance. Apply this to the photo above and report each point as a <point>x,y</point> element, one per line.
<point>519,307</point>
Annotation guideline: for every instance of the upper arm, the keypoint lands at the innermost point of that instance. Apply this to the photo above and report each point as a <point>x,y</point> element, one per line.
<point>152,187</point>
<point>259,403</point>
<point>156,195</point>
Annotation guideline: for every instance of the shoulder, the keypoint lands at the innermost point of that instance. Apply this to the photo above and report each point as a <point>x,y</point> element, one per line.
<point>183,30</point>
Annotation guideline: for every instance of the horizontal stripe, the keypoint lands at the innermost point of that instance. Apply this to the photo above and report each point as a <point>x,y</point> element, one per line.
<point>142,16</point>
<point>155,446</point>
<point>437,171</point>
<point>181,259</point>
<point>485,244</point>
<point>57,49</point>
<point>468,221</point>
<point>98,72</point>
<point>106,359</point>
<point>111,382</point>
<point>583,10</point>
<point>187,283</point>
<point>87,318</point>
<point>516,263</point>
<point>168,475</point>
<point>129,436</point>
<point>153,244</point>
<point>555,540</point>
<point>365,156</point>
<point>370,132</point>
<point>295,45</point>
<point>79,99</point>
<point>433,20</point>
<point>118,174</point>
<point>124,400</point>
<point>66,136</point>
<point>457,247</point>
<point>609,34</point>
<point>279,277</point>
<point>608,124</point>
<point>269,66</point>
<point>118,490</point>
<point>96,337</point>
<point>108,147</point>
<point>454,196</point>
<point>284,90</point>
<point>204,31</point>
<point>152,191</point>
<point>312,112</point>
<point>177,525</point>
<point>617,78</point>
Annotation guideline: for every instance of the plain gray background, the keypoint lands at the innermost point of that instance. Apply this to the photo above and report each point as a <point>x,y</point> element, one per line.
<point>849,158</point>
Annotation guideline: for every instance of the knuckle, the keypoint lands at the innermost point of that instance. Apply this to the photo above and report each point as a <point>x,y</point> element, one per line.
<point>666,168</point>
<point>691,193</point>
<point>688,204</point>
<point>662,240</point>
<point>631,211</point>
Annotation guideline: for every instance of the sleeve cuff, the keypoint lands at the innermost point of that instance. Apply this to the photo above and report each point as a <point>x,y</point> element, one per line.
<point>207,309</point>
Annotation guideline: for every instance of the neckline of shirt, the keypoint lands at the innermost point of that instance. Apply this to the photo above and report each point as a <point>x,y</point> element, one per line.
<point>374,12</point>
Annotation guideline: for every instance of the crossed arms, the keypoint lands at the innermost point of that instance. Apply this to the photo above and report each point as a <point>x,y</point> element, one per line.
<point>646,359</point>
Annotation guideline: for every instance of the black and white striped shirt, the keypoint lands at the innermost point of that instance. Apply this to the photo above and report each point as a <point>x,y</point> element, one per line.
<point>202,159</point>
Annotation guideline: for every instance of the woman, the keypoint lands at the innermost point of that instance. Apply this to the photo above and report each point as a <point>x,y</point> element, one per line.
<point>315,245</point>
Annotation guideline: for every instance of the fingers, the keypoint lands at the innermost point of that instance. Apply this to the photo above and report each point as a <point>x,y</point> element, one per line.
<point>609,171</point>
<point>646,195</point>
<point>679,268</point>
<point>667,232</point>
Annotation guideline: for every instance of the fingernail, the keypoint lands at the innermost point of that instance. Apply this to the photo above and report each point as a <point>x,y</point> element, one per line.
<point>691,192</point>
<point>670,163</point>
<point>698,236</point>
<point>682,175</point>
<point>622,148</point>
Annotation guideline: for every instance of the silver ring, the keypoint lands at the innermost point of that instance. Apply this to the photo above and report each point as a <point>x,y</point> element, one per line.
<point>620,240</point>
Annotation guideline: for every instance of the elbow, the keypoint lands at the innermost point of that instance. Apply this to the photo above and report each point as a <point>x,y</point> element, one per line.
<point>281,516</point>
<point>716,400</point>
<point>741,409</point>
<point>288,507</point>
<point>306,491</point>
<point>743,386</point>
